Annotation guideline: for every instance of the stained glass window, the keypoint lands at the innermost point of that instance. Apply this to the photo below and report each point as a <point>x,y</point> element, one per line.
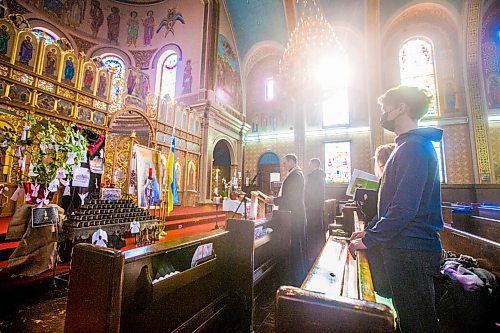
<point>416,66</point>
<point>116,67</point>
<point>440,155</point>
<point>49,36</point>
<point>168,74</point>
<point>338,162</point>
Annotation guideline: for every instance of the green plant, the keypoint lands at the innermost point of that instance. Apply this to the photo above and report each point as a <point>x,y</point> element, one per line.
<point>50,154</point>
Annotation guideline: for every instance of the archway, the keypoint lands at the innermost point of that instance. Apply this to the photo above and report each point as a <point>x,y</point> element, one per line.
<point>127,128</point>
<point>221,167</point>
<point>267,166</point>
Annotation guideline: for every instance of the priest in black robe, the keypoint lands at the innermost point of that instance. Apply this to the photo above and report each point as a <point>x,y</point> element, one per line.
<point>314,199</point>
<point>291,198</point>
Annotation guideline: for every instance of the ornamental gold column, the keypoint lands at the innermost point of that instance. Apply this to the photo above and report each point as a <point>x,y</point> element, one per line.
<point>483,172</point>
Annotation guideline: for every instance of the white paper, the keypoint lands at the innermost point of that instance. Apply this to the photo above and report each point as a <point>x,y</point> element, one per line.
<point>274,177</point>
<point>81,177</point>
<point>359,175</point>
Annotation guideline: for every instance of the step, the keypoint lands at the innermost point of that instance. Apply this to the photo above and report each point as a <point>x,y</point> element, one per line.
<point>184,224</point>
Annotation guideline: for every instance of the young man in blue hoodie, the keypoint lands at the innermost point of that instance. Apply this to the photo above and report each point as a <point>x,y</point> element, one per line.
<point>409,211</point>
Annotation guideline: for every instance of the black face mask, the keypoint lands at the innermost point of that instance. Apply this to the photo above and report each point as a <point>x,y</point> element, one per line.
<point>386,123</point>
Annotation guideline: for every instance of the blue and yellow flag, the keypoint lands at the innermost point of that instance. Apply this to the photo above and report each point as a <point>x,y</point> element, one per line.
<point>173,197</point>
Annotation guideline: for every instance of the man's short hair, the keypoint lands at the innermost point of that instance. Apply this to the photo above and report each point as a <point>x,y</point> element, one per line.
<point>291,157</point>
<point>417,100</point>
<point>316,161</point>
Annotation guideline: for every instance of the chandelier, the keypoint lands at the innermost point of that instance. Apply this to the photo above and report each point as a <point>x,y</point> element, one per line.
<point>310,42</point>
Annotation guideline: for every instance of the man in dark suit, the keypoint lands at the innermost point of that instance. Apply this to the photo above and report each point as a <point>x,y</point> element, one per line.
<point>314,199</point>
<point>291,198</point>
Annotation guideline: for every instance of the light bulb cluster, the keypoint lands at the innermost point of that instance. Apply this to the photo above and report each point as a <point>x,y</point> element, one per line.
<point>312,38</point>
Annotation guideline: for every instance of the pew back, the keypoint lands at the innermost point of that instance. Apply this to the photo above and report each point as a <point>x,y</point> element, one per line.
<point>111,291</point>
<point>486,252</point>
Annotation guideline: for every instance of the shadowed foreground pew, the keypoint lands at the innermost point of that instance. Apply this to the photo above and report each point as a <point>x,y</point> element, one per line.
<point>112,291</point>
<point>252,270</point>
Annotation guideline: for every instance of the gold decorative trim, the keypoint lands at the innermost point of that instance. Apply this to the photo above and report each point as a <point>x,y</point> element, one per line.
<point>477,111</point>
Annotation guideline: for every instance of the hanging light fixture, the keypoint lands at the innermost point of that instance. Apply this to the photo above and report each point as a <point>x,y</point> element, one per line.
<point>311,43</point>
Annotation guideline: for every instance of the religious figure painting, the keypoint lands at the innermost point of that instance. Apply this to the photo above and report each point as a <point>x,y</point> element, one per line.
<point>102,86</point>
<point>114,25</point>
<point>19,93</point>
<point>97,17</point>
<point>26,51</point>
<point>493,90</point>
<point>19,21</point>
<point>69,69</point>
<point>228,78</point>
<point>144,159</point>
<point>84,113</point>
<point>74,13</point>
<point>187,79</point>
<point>168,22</point>
<point>50,68</point>
<point>148,24</point>
<point>64,107</point>
<point>131,82</point>
<point>451,97</point>
<point>132,29</point>
<point>4,41</point>
<point>88,79</point>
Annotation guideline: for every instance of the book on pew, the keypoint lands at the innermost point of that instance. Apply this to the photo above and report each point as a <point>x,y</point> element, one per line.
<point>363,180</point>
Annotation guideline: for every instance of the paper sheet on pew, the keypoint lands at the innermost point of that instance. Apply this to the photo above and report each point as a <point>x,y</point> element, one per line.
<point>202,251</point>
<point>328,274</point>
<point>361,179</point>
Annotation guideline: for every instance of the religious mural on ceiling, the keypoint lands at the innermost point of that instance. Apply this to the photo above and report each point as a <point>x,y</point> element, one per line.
<point>228,88</point>
<point>111,22</point>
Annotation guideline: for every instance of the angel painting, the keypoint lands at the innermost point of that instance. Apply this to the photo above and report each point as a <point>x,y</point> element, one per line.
<point>169,21</point>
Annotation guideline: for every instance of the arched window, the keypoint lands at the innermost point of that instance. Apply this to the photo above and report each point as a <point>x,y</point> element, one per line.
<point>116,67</point>
<point>416,66</point>
<point>167,74</point>
<point>50,37</point>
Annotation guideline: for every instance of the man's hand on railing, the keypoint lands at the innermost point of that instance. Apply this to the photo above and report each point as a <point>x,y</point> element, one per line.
<point>355,245</point>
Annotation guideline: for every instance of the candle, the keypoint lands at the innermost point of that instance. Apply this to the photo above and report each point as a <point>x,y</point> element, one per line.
<point>150,172</point>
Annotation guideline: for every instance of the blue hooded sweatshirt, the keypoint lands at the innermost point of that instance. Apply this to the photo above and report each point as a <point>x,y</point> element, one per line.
<point>409,207</point>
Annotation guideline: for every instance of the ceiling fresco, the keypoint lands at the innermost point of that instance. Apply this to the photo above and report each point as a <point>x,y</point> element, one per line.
<point>257,20</point>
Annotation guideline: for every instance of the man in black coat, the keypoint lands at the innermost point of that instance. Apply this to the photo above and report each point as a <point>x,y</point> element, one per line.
<point>291,198</point>
<point>314,198</point>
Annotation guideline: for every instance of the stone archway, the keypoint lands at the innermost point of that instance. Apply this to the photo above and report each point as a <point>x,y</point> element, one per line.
<point>221,165</point>
<point>128,127</point>
<point>268,164</point>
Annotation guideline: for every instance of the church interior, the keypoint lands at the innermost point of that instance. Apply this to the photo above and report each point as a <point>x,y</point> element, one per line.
<point>139,140</point>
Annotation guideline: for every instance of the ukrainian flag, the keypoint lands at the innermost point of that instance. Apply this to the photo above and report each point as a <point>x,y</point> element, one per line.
<point>173,197</point>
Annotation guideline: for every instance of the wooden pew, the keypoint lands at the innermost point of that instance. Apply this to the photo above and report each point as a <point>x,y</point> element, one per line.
<point>487,252</point>
<point>112,291</point>
<point>255,261</point>
<point>336,296</point>
<point>471,222</point>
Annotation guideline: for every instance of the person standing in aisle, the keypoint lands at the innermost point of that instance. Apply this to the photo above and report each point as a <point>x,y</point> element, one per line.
<point>291,198</point>
<point>314,198</point>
